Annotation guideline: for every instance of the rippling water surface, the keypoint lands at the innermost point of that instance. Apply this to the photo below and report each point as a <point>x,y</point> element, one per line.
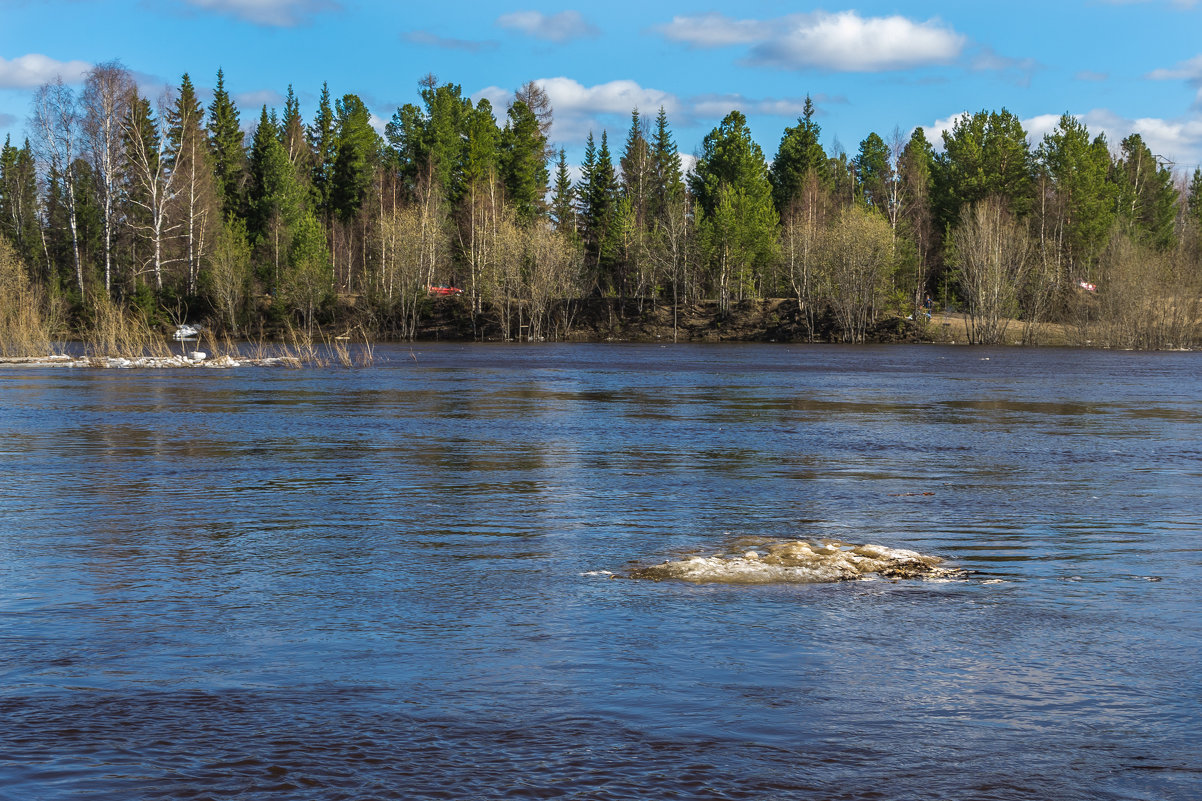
<point>390,582</point>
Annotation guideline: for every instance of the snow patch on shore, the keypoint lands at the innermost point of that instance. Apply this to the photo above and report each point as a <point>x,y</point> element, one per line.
<point>194,359</point>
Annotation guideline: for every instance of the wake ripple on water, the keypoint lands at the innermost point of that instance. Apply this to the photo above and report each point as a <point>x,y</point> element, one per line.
<point>798,562</point>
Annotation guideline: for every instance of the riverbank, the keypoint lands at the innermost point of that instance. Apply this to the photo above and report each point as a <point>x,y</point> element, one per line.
<point>763,320</point>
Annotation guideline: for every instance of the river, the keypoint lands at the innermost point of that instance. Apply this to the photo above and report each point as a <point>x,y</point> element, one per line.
<point>413,580</point>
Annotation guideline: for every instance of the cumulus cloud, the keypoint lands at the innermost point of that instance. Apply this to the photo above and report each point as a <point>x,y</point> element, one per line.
<point>33,70</point>
<point>1177,140</point>
<point>445,43</point>
<point>847,42</point>
<point>559,28</point>
<point>272,13</point>
<point>842,42</point>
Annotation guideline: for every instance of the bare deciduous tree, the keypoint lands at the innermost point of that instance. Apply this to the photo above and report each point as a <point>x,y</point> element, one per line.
<point>993,253</point>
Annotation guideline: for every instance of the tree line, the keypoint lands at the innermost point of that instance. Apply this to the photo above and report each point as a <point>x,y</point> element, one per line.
<point>115,199</point>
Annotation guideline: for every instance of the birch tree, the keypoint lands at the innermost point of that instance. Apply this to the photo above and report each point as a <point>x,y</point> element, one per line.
<point>105,105</point>
<point>56,124</point>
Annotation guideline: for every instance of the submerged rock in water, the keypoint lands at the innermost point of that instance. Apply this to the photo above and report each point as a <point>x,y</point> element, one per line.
<point>799,562</point>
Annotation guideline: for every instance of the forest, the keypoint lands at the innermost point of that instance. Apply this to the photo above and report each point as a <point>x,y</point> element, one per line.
<point>115,206</point>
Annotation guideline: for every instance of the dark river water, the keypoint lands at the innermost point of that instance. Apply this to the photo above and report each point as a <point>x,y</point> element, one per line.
<point>394,582</point>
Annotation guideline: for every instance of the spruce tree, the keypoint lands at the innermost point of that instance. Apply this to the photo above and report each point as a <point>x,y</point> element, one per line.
<point>799,153</point>
<point>637,169</point>
<point>294,138</point>
<point>275,199</point>
<point>563,198</point>
<point>229,156</point>
<point>195,183</point>
<point>323,143</point>
<point>19,204</point>
<point>666,171</point>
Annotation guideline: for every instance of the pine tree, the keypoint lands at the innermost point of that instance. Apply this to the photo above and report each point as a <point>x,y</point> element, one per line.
<point>739,219</point>
<point>874,171</point>
<point>226,140</point>
<point>355,159</point>
<point>985,154</point>
<point>1079,202</point>
<point>275,199</point>
<point>1146,197</point>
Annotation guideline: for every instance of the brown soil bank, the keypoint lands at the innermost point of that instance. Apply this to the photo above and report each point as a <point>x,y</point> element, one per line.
<point>767,320</point>
<point>614,320</point>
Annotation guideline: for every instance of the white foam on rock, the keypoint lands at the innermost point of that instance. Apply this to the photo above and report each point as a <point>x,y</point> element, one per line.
<point>798,562</point>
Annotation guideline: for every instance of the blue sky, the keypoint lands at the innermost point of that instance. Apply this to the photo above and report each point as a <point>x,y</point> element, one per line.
<point>1119,65</point>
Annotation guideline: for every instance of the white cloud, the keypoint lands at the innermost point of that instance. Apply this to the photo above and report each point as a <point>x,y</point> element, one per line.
<point>498,97</point>
<point>687,162</point>
<point>1177,140</point>
<point>715,30</point>
<point>33,70</point>
<point>614,97</point>
<point>274,13</point>
<point>7,120</point>
<point>562,27</point>
<point>842,42</point>
<point>378,123</point>
<point>934,131</point>
<point>1039,126</point>
<point>847,42</point>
